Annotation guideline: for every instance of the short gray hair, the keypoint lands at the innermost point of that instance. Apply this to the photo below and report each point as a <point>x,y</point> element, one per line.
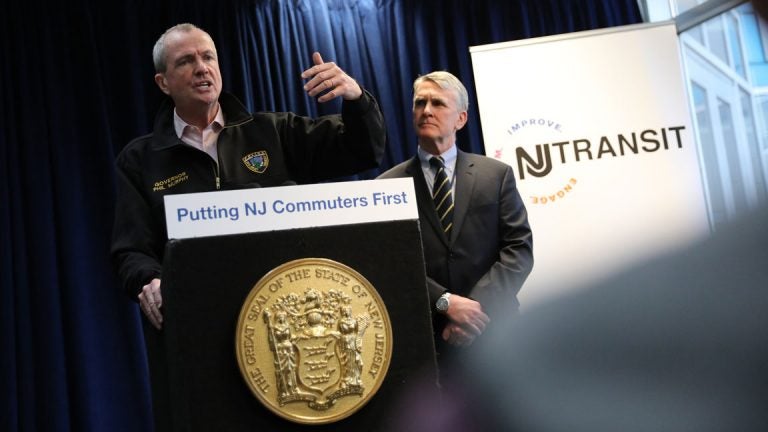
<point>158,52</point>
<point>446,81</point>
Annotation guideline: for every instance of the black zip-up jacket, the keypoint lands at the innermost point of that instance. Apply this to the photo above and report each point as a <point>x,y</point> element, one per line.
<point>254,150</point>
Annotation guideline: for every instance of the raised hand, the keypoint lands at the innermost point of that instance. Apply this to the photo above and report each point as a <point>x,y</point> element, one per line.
<point>329,81</point>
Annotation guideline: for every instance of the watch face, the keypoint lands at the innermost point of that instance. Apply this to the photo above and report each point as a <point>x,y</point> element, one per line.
<point>442,304</point>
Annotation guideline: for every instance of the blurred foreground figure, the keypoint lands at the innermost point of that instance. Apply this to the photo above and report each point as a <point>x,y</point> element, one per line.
<point>678,344</point>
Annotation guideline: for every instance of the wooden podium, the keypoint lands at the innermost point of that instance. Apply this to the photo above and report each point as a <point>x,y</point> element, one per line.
<point>196,382</point>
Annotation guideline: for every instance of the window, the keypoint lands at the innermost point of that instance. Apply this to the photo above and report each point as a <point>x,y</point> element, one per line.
<point>726,63</point>
<point>709,154</point>
<point>753,145</point>
<point>734,43</point>
<point>755,40</point>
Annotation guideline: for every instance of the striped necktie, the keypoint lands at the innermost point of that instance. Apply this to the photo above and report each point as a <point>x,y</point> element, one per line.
<point>442,195</point>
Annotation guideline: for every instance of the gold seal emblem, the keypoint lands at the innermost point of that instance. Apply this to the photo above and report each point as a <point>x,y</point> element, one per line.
<point>314,341</point>
<point>257,161</point>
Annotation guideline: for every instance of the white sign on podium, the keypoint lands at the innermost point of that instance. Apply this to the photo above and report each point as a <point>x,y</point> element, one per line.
<point>289,207</point>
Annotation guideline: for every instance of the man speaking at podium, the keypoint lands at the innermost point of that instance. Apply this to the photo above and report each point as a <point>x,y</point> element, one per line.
<point>205,140</point>
<point>477,242</point>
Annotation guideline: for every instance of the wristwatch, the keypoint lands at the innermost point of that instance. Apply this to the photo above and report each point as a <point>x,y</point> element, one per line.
<point>443,302</point>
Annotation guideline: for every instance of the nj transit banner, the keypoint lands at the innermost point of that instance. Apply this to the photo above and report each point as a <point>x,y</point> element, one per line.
<point>289,207</point>
<point>598,131</point>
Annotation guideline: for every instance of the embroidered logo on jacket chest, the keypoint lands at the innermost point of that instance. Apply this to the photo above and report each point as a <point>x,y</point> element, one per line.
<point>257,161</point>
<point>170,182</point>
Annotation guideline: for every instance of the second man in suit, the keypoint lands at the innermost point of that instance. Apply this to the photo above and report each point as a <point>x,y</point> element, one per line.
<point>478,246</point>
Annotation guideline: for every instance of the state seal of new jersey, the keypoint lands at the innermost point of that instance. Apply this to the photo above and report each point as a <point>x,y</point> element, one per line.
<point>314,341</point>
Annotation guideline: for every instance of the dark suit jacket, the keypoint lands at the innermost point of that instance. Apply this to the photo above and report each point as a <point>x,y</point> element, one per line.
<point>490,252</point>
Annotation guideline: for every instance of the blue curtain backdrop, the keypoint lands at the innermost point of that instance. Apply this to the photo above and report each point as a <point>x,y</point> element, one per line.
<point>76,85</point>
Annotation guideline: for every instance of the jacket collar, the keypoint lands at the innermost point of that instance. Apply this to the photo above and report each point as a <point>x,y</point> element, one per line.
<point>235,114</point>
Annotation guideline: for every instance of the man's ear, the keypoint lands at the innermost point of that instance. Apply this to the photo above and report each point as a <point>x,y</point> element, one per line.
<point>160,81</point>
<point>462,120</point>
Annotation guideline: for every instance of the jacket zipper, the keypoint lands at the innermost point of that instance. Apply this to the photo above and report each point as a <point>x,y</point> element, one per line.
<point>216,174</point>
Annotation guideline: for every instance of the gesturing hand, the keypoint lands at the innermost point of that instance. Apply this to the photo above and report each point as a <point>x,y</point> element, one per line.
<point>329,81</point>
